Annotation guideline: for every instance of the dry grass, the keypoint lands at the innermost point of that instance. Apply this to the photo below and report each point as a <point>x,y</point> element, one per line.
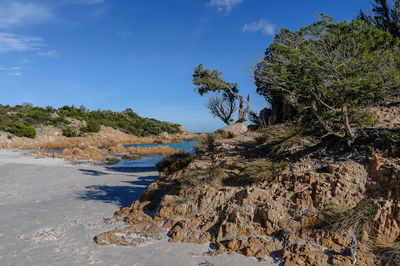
<point>390,255</point>
<point>206,144</point>
<point>197,177</point>
<point>343,218</point>
<point>174,162</point>
<point>280,139</point>
<point>265,170</point>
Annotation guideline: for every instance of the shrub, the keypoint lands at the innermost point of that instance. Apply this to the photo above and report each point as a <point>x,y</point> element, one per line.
<point>92,127</point>
<point>21,130</point>
<point>174,163</point>
<point>206,144</point>
<point>264,170</point>
<point>69,132</point>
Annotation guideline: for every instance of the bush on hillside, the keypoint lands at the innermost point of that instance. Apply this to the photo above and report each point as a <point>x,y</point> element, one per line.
<point>21,130</point>
<point>69,132</point>
<point>92,127</point>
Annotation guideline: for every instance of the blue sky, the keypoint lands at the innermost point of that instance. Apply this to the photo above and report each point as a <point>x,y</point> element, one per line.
<point>117,54</point>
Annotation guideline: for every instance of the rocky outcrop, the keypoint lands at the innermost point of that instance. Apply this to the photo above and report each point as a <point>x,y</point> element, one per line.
<point>283,217</point>
<point>110,155</point>
<point>49,137</point>
<point>234,130</point>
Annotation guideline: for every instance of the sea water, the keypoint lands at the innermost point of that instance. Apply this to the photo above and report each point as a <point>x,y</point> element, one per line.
<point>151,161</point>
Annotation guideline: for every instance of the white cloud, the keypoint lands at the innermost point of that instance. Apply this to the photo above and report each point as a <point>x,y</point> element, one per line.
<point>10,42</point>
<point>52,54</point>
<point>224,4</point>
<point>15,13</point>
<point>262,25</point>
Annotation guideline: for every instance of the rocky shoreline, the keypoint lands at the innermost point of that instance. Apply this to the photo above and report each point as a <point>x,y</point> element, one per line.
<point>109,155</point>
<point>49,137</point>
<point>210,198</point>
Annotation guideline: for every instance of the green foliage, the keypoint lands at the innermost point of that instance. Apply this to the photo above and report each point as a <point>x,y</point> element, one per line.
<point>174,163</point>
<point>21,130</point>
<point>127,121</point>
<point>343,218</point>
<point>207,80</point>
<point>390,143</point>
<point>92,127</point>
<point>265,170</point>
<point>331,71</point>
<point>385,16</point>
<point>69,132</point>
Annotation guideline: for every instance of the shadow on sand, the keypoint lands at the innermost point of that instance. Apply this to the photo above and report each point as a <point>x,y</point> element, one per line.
<point>124,195</point>
<point>131,170</point>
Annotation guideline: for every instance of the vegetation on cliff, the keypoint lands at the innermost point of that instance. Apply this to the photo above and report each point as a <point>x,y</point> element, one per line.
<point>20,120</point>
<point>330,72</point>
<point>223,106</point>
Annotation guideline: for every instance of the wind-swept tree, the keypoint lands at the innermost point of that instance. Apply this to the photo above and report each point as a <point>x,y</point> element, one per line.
<point>207,80</point>
<point>223,107</point>
<point>331,70</point>
<point>386,16</point>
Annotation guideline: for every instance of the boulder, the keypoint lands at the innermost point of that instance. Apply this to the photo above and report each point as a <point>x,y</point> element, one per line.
<point>233,130</point>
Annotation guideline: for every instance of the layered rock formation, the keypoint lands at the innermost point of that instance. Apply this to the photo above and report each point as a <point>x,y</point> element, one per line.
<point>211,200</point>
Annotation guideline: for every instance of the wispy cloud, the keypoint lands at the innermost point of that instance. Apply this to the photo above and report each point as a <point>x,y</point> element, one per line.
<point>10,42</point>
<point>51,54</point>
<point>16,13</point>
<point>15,73</point>
<point>226,5</point>
<point>262,25</point>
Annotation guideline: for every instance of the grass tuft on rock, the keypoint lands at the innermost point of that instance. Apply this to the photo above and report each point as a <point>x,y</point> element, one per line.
<point>193,178</point>
<point>342,218</point>
<point>265,170</point>
<point>174,163</point>
<point>280,139</point>
<point>390,255</point>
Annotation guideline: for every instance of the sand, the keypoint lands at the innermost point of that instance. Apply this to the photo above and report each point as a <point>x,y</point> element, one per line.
<point>50,210</point>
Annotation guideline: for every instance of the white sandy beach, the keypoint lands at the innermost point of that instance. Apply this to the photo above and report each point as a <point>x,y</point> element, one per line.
<point>50,210</point>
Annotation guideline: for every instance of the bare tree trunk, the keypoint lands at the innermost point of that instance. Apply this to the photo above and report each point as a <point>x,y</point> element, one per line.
<point>347,129</point>
<point>242,113</point>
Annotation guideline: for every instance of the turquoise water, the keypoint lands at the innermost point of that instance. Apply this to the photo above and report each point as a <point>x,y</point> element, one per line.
<point>187,145</point>
<point>151,161</point>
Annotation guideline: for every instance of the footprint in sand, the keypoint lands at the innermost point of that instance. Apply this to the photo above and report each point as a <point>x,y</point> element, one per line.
<point>45,234</point>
